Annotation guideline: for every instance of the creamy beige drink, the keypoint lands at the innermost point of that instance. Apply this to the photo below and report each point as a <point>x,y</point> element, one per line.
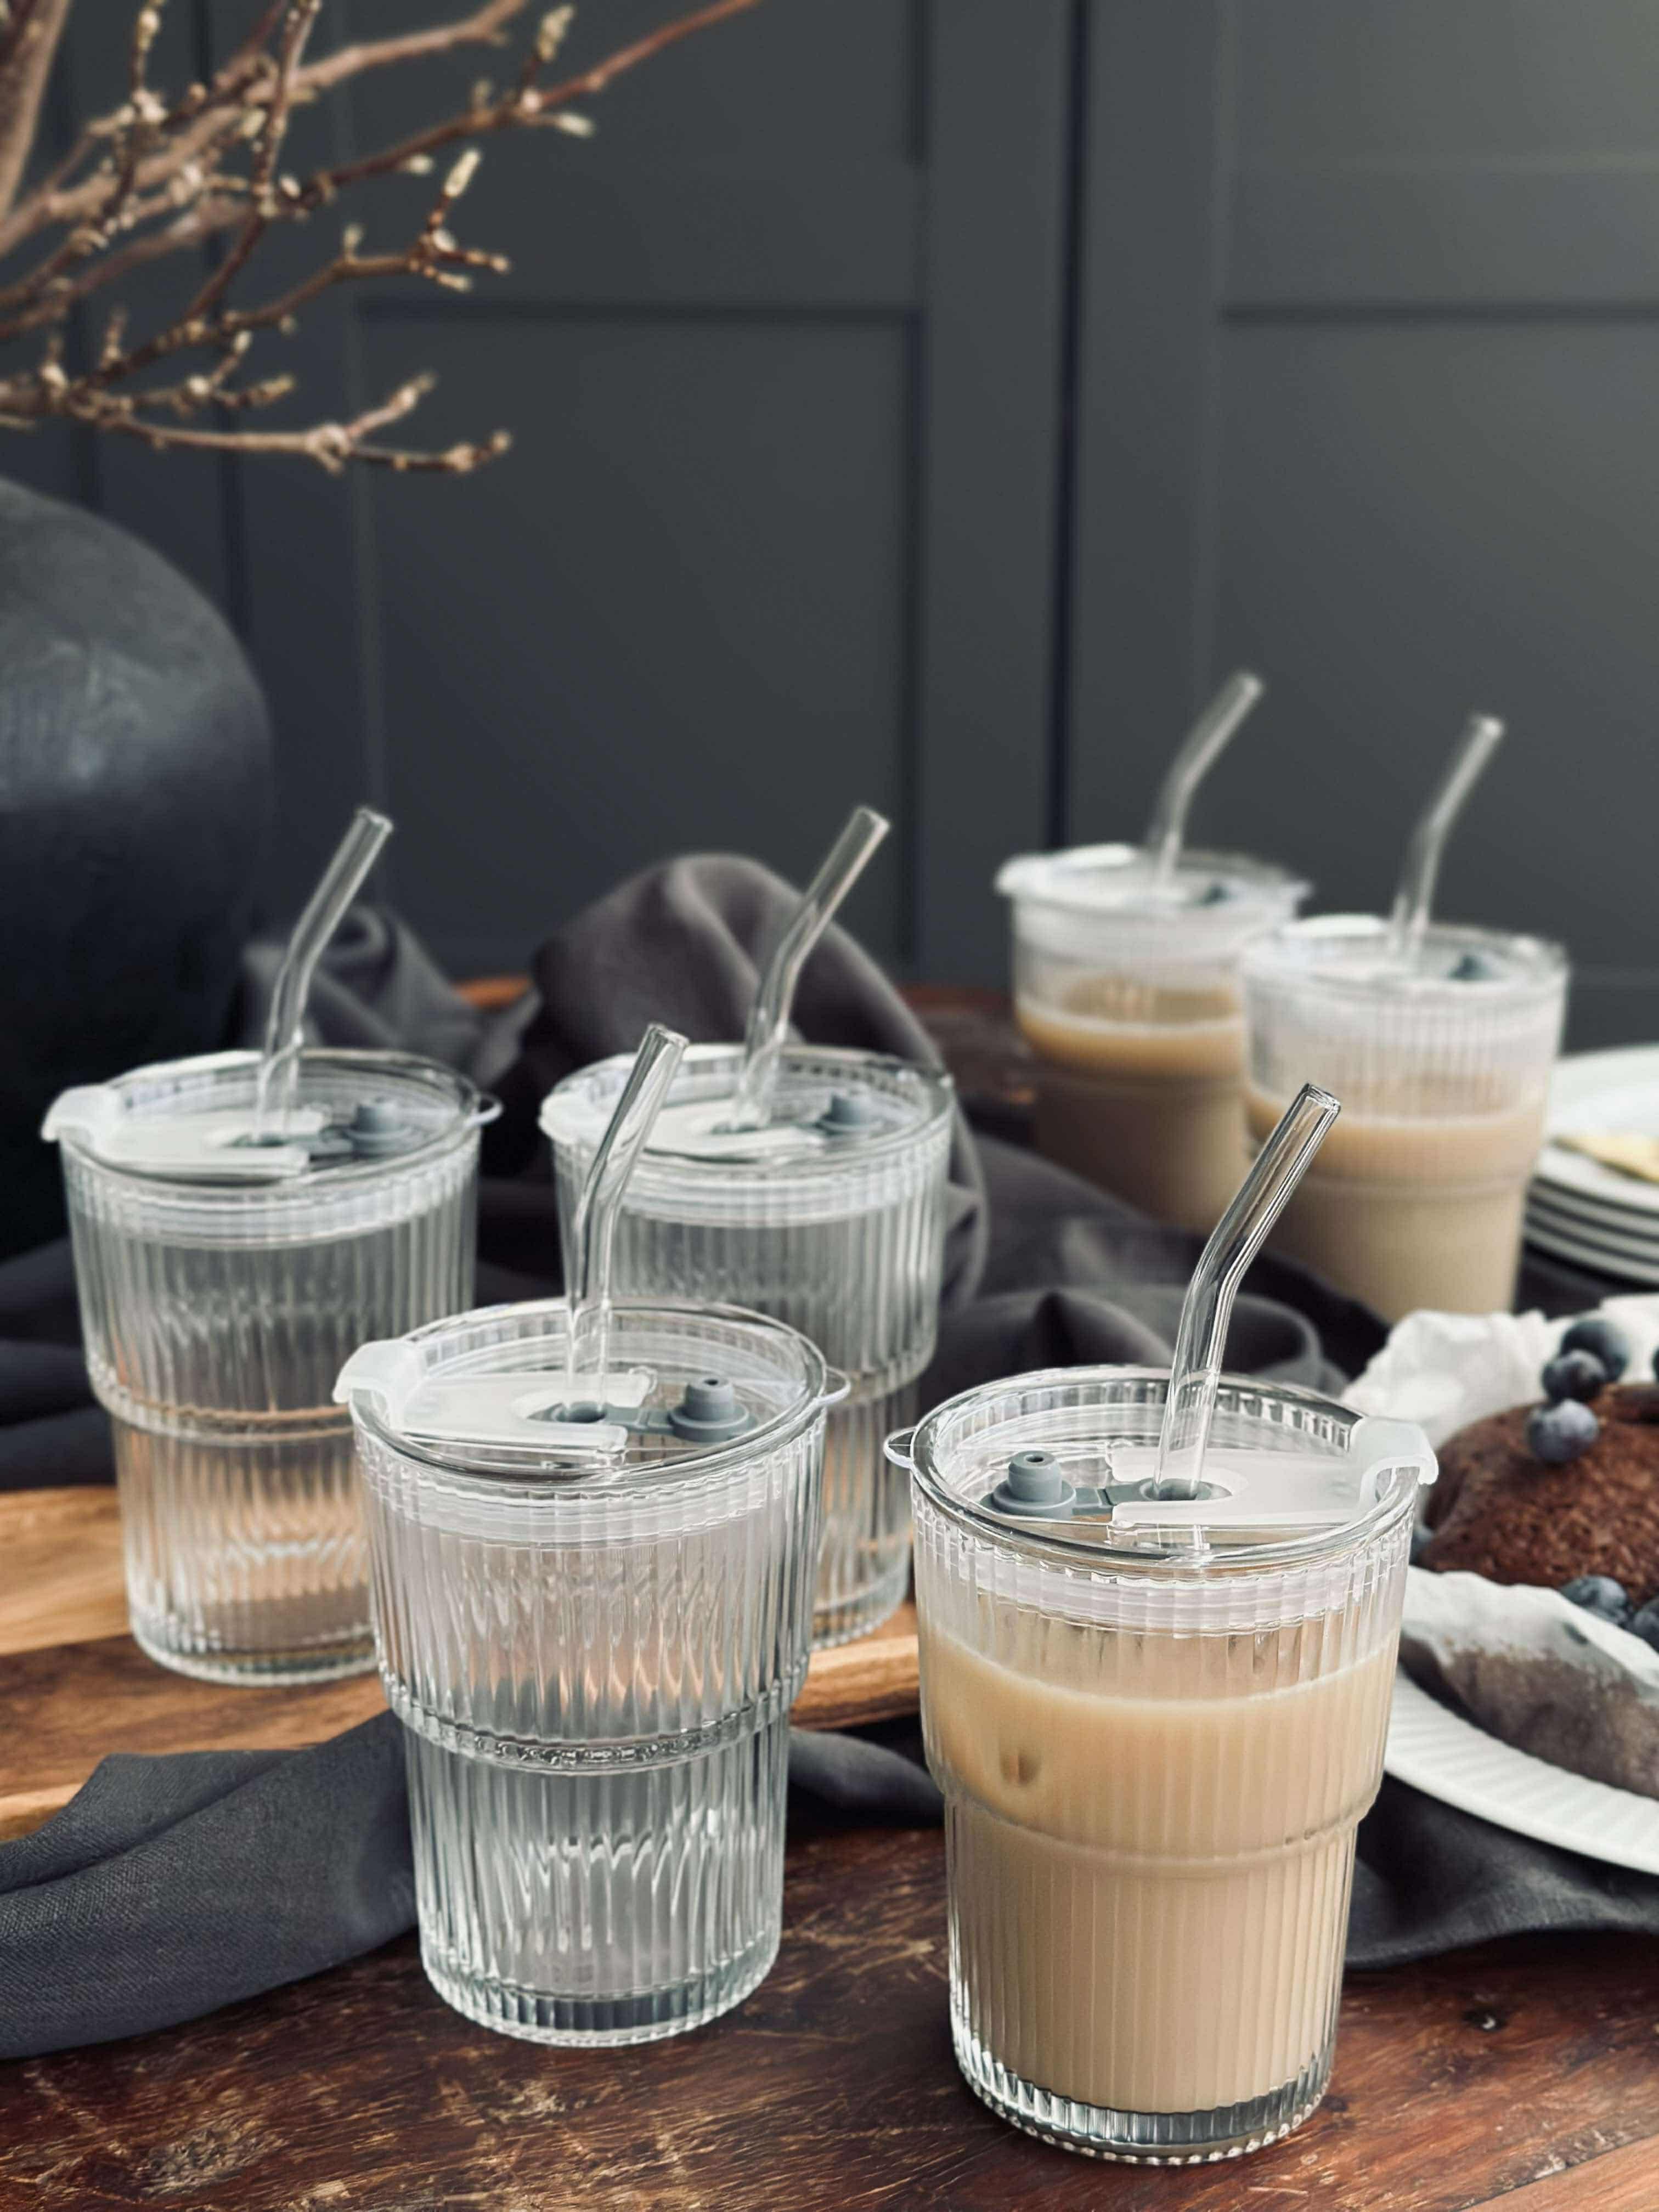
<point>1441,1054</point>
<point>1150,1107</point>
<point>1412,1213</point>
<point>1126,986</point>
<point>1157,1722</point>
<point>1149,1856</point>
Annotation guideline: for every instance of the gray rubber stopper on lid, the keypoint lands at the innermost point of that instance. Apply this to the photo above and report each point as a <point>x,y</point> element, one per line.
<point>848,1114</point>
<point>709,1412</point>
<point>1034,1489</point>
<point>377,1129</point>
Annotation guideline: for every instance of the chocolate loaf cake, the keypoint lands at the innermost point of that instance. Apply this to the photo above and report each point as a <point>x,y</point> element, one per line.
<point>1498,1511</point>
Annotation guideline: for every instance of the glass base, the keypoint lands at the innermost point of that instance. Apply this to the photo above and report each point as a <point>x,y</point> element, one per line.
<point>850,1618</point>
<point>610,1907</point>
<point>260,1670</point>
<point>1138,2138</point>
<point>603,2022</point>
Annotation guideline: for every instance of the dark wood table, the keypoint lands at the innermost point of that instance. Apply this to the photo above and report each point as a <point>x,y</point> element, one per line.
<point>1524,2074</point>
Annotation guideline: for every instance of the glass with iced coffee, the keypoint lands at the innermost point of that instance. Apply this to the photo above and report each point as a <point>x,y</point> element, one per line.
<point>1157,1616</point>
<point>1126,986</point>
<point>1442,1056</point>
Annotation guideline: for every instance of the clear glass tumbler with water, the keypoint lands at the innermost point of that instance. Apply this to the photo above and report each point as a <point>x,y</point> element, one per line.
<point>216,1314</point>
<point>594,1615</point>
<point>832,1217</point>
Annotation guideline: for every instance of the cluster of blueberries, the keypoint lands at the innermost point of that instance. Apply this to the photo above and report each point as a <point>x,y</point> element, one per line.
<point>1593,1353</point>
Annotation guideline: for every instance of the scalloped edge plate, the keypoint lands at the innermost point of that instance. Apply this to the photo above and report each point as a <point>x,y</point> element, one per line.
<point>1447,1756</point>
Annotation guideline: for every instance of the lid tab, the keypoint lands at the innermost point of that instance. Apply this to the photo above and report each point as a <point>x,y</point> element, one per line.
<point>197,1147</point>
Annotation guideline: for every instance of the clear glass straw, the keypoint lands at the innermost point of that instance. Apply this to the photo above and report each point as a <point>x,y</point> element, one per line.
<point>1205,741</point>
<point>279,1064</point>
<point>768,1017</point>
<point>1415,895</point>
<point>590,1232</point>
<point>1195,1371</point>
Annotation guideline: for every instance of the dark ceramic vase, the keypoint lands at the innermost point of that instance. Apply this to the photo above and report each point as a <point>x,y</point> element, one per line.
<point>135,798</point>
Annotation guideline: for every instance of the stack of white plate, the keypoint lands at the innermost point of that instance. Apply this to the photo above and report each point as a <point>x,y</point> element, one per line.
<point>1577,1209</point>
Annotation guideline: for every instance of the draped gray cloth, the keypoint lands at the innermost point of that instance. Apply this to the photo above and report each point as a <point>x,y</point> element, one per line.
<point>169,1886</point>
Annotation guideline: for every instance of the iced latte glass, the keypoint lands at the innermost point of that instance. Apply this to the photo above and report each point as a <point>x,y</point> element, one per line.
<point>1157,1725</point>
<point>1126,986</point>
<point>1442,1060</point>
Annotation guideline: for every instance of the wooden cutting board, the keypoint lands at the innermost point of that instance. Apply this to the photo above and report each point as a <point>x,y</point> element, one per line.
<point>73,1685</point>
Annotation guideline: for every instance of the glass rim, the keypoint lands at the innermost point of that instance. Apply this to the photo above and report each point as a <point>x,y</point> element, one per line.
<point>1273,959</point>
<point>855,1152</point>
<point>498,1479</point>
<point>1126,1563</point>
<point>312,1185</point>
<point>1056,879</point>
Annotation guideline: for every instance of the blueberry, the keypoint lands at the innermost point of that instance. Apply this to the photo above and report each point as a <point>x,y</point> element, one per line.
<point>1600,1595</point>
<point>1421,1539</point>
<point>1216,894</point>
<point>1556,1434</point>
<point>1645,1623</point>
<point>1603,1340</point>
<point>1474,968</point>
<point>1572,1375</point>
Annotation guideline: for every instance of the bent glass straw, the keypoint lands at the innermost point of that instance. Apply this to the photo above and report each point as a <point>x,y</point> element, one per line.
<point>279,1063</point>
<point>1202,747</point>
<point>1410,918</point>
<point>1200,1339</point>
<point>768,1017</point>
<point>590,1234</point>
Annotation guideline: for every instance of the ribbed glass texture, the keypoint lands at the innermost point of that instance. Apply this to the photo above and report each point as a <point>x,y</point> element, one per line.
<point>606,1908</point>
<point>847,1246</point>
<point>597,1676</point>
<point>1443,1066</point>
<point>216,1319</point>
<point>1094,941</point>
<point>1153,1774</point>
<point>863,1560</point>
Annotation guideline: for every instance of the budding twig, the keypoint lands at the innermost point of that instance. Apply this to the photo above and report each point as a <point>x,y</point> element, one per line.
<point>162,174</point>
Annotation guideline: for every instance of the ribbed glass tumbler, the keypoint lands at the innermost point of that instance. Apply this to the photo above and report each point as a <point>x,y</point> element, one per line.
<point>593,1654</point>
<point>832,1220</point>
<point>1155,1751</point>
<point>216,1316</point>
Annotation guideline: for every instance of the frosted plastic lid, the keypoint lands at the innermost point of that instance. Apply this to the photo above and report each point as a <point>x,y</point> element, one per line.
<point>487,1393</point>
<point>1348,959</point>
<point>191,1122</point>
<point>1065,1457</point>
<point>843,1121</point>
<point>1095,894</point>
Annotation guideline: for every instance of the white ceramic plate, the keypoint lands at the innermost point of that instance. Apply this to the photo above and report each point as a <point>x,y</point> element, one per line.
<point>1438,1752</point>
<point>1599,1259</point>
<point>1608,1090</point>
<point>1552,1214</point>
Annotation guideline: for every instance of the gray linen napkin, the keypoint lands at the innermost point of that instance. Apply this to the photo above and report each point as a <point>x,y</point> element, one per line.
<point>169,1886</point>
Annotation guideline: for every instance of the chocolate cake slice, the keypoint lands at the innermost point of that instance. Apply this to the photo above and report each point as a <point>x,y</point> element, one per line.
<point>1498,1511</point>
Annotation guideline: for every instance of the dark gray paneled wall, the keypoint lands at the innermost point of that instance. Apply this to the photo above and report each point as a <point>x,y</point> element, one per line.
<point>781,350</point>
<point>926,401</point>
<point>1370,400</point>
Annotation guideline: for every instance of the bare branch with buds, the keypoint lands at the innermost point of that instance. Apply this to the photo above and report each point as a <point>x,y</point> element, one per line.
<point>163,174</point>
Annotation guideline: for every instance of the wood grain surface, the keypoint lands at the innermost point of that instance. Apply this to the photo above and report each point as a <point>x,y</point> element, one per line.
<point>1524,2074</point>
<point>73,1685</point>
